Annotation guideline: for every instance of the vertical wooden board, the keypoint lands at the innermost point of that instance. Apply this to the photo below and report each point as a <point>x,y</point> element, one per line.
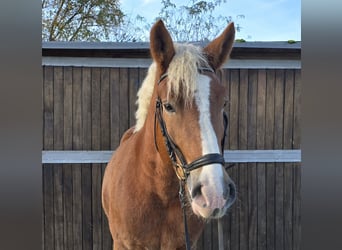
<point>96,206</point>
<point>115,107</point>
<point>105,145</point>
<point>58,206</point>
<point>48,215</point>
<point>105,109</point>
<point>251,172</point>
<point>68,206</point>
<point>67,119</point>
<point>87,232</point>
<point>95,109</point>
<point>261,171</point>
<point>77,109</point>
<point>233,139</point>
<point>243,171</point>
<point>278,144</point>
<point>133,74</point>
<point>124,101</point>
<point>58,145</point>
<point>106,236</point>
<point>270,167</point>
<point>233,110</point>
<point>76,168</point>
<point>225,76</point>
<point>288,167</point>
<point>58,107</point>
<point>86,108</point>
<point>67,168</point>
<point>225,221</point>
<point>77,206</point>
<point>297,167</point>
<point>48,108</point>
<point>233,216</point>
<point>96,85</point>
<point>86,168</point>
<point>142,75</point>
<point>48,207</point>
<point>207,237</point>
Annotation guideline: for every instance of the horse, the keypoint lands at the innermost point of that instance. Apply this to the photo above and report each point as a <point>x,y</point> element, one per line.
<point>176,144</point>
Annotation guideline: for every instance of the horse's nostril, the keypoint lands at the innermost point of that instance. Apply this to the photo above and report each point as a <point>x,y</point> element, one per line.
<point>229,192</point>
<point>232,191</point>
<point>196,191</point>
<point>215,212</point>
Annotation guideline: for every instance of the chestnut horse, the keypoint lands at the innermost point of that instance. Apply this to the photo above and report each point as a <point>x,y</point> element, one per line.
<point>176,140</point>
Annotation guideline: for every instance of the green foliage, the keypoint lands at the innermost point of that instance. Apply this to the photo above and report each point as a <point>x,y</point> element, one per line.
<point>102,20</point>
<point>76,20</point>
<point>241,40</point>
<point>291,41</point>
<point>195,21</point>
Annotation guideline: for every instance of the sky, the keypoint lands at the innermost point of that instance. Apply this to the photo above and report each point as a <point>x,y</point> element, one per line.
<point>264,20</point>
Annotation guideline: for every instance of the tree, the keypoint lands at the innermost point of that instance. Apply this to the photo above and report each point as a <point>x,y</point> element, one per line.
<point>194,22</point>
<point>72,20</point>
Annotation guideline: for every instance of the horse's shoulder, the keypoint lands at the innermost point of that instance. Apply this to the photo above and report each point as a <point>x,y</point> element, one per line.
<point>127,134</point>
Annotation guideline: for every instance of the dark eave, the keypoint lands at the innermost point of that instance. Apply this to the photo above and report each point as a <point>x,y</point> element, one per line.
<point>245,50</point>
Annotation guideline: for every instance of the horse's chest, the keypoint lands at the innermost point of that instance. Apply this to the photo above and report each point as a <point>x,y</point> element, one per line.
<point>156,226</point>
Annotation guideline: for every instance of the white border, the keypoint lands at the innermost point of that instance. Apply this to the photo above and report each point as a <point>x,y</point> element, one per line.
<point>230,156</point>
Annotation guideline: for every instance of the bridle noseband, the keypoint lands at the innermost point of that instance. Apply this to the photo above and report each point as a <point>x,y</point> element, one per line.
<point>182,168</point>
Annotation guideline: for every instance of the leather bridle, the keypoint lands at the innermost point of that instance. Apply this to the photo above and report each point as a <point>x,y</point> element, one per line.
<point>182,168</point>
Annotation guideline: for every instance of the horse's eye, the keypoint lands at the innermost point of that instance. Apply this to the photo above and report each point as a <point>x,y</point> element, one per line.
<point>168,107</point>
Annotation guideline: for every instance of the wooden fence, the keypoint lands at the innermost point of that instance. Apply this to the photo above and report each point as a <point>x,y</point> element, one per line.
<point>89,94</point>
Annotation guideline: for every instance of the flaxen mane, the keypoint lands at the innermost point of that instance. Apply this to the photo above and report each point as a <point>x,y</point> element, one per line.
<point>182,73</point>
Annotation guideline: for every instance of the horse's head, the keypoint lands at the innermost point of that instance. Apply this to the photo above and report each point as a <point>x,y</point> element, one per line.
<point>190,114</point>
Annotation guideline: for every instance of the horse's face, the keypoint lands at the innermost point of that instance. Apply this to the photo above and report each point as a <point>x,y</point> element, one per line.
<point>198,129</point>
<point>196,125</point>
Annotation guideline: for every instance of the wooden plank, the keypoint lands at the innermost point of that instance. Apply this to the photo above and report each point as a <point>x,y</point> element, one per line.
<point>270,167</point>
<point>76,168</point>
<point>279,173</point>
<point>48,207</point>
<point>86,108</point>
<point>48,216</point>
<point>105,145</point>
<point>243,171</point>
<point>297,170</point>
<point>123,101</point>
<point>67,170</point>
<point>48,108</point>
<point>96,168</point>
<point>86,168</point>
<point>106,236</point>
<point>251,173</point>
<point>115,107</point>
<point>261,170</point>
<point>133,79</point>
<point>233,139</point>
<point>226,220</point>
<point>105,110</point>
<point>58,145</point>
<point>288,167</point>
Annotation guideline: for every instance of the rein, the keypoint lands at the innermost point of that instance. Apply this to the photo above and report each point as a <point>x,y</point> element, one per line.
<point>182,168</point>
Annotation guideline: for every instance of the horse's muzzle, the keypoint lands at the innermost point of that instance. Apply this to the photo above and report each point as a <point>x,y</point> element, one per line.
<point>207,204</point>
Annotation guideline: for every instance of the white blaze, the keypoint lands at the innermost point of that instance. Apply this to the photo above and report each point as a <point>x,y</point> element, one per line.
<point>211,174</point>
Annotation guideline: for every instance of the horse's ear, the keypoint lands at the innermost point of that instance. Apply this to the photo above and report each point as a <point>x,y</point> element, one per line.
<point>161,45</point>
<point>219,49</point>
